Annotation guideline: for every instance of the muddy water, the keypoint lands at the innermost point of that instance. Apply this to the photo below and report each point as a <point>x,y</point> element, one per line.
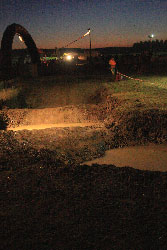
<point>150,157</point>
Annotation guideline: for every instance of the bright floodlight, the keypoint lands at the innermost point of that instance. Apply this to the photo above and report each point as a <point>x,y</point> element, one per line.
<point>87,33</point>
<point>69,57</point>
<point>151,36</point>
<point>21,39</point>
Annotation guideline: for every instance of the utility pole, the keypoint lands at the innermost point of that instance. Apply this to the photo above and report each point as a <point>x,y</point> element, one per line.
<point>90,47</point>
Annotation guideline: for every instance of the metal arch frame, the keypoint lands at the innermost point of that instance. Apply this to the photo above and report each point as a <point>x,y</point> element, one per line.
<point>6,47</point>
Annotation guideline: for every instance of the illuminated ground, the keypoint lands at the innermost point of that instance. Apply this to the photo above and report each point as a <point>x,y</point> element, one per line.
<point>45,126</point>
<point>49,201</point>
<point>149,157</point>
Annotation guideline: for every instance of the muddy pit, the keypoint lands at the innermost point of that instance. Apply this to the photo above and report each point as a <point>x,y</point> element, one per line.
<point>50,201</point>
<point>150,157</point>
<point>82,132</point>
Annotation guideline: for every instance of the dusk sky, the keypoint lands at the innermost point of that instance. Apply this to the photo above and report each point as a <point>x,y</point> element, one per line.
<point>55,23</point>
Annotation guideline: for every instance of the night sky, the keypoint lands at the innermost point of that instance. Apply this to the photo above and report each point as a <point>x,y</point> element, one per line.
<point>55,23</point>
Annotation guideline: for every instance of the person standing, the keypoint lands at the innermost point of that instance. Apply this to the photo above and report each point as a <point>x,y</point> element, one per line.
<point>112,64</point>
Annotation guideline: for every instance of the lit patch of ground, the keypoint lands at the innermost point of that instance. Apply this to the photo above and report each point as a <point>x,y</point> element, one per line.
<point>58,125</point>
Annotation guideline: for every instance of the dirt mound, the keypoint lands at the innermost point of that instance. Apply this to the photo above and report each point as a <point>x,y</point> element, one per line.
<point>138,125</point>
<point>68,114</point>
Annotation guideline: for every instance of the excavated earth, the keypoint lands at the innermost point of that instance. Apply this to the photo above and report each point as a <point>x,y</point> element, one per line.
<point>50,201</point>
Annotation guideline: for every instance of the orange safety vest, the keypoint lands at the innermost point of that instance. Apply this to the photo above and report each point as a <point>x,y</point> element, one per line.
<point>112,63</point>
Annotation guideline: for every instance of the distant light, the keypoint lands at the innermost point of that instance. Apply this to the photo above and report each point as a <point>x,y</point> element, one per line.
<point>69,57</point>
<point>87,33</point>
<point>151,36</point>
<point>21,39</point>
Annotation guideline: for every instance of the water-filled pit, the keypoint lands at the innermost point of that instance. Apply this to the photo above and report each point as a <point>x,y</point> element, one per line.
<point>151,157</point>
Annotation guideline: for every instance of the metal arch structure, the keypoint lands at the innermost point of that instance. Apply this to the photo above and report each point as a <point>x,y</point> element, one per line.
<point>6,47</point>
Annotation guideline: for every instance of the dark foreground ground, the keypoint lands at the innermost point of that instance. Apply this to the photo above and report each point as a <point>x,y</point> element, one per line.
<point>49,201</point>
<point>98,207</point>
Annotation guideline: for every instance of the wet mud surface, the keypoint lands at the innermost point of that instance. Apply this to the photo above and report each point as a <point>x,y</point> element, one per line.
<point>152,157</point>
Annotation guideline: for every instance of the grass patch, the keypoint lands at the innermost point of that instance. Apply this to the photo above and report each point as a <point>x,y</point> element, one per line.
<point>137,95</point>
<point>66,90</point>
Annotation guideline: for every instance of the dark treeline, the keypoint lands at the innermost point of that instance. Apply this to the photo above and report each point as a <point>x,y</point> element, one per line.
<point>155,45</point>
